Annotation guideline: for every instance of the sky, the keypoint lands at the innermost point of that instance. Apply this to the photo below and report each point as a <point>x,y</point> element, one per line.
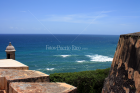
<point>103,17</point>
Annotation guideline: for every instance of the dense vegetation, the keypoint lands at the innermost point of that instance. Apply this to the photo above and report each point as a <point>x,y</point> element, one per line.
<point>85,81</point>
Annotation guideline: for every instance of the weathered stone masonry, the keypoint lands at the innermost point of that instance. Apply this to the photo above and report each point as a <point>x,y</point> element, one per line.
<point>124,75</point>
<point>16,77</point>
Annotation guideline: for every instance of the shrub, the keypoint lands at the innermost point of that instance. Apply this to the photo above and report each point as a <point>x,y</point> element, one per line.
<point>85,81</point>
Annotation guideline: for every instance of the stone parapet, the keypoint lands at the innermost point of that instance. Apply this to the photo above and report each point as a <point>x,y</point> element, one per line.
<point>21,87</point>
<point>16,77</point>
<point>10,75</point>
<point>12,64</point>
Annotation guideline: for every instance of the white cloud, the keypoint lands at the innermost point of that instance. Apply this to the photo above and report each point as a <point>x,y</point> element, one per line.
<point>11,27</point>
<point>77,18</point>
<point>23,11</point>
<point>15,28</point>
<point>106,11</point>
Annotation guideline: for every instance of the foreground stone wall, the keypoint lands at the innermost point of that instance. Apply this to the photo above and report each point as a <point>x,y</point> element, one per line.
<point>16,77</point>
<point>8,76</point>
<point>22,87</point>
<point>29,81</point>
<point>13,80</point>
<point>124,76</point>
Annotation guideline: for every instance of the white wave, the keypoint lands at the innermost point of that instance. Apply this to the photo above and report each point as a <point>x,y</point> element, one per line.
<point>49,68</point>
<point>65,55</point>
<point>80,61</point>
<point>99,58</point>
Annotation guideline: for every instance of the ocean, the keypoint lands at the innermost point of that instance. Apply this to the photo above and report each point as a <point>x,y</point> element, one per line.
<point>61,53</point>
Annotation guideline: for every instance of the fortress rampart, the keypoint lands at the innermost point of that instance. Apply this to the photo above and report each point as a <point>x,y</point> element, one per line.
<point>16,77</point>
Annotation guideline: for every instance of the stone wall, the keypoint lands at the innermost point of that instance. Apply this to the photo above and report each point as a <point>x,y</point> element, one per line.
<point>124,76</point>
<point>15,79</point>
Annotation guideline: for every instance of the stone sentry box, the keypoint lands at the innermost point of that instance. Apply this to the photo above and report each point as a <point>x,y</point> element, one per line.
<point>10,51</point>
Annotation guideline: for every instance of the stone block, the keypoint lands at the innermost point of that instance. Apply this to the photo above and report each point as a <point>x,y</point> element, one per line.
<point>22,87</point>
<point>12,64</point>
<point>11,75</point>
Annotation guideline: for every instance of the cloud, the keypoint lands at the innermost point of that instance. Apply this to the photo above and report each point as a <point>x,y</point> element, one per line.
<point>14,28</point>
<point>11,27</point>
<point>106,11</point>
<point>77,18</point>
<point>23,11</point>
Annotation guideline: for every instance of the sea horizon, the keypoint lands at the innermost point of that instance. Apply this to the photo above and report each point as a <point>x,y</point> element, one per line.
<point>53,34</point>
<point>59,53</point>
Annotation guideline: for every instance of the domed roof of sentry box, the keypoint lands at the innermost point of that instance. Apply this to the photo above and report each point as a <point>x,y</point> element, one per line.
<point>10,47</point>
